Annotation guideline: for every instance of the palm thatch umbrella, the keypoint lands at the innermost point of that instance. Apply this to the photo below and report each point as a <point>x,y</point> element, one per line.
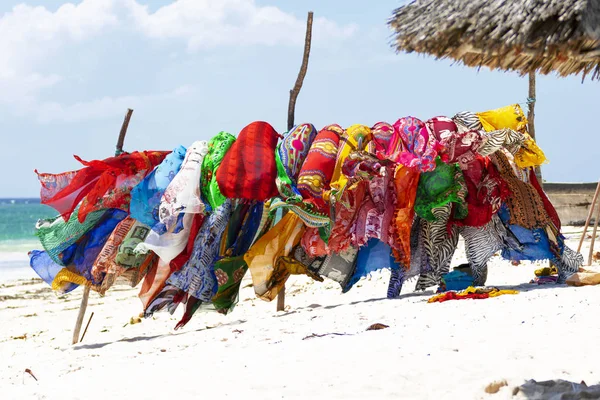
<point>527,36</point>
<point>545,36</point>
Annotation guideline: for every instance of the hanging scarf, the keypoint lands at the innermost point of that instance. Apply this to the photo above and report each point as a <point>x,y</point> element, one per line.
<point>248,170</point>
<point>168,245</point>
<point>265,258</point>
<point>197,277</point>
<point>99,185</point>
<point>444,185</point>
<point>290,155</point>
<point>182,196</point>
<point>316,172</point>
<point>383,134</point>
<point>145,196</point>
<point>406,181</point>
<point>357,137</point>
<point>525,205</point>
<point>56,235</point>
<point>217,148</point>
<point>513,117</point>
<point>419,149</point>
<point>375,255</point>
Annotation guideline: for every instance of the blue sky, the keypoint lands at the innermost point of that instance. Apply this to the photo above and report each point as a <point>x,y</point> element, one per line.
<point>192,68</point>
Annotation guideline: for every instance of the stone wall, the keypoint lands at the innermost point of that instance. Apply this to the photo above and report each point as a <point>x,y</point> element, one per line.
<point>571,200</point>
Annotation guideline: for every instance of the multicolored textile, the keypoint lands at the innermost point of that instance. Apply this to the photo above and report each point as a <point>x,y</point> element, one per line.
<point>382,133</point>
<point>197,277</point>
<point>183,193</point>
<point>56,235</point>
<point>513,117</point>
<point>264,259</point>
<point>471,293</point>
<point>444,185</point>
<point>217,148</point>
<point>88,247</point>
<point>509,117</point>
<point>146,195</point>
<point>106,258</point>
<point>357,137</point>
<point>339,267</point>
<point>406,181</point>
<point>419,148</point>
<point>48,270</point>
<point>99,185</point>
<point>248,170</point>
<point>168,245</point>
<point>524,203</point>
<point>375,255</point>
<point>290,155</point>
<point>317,170</point>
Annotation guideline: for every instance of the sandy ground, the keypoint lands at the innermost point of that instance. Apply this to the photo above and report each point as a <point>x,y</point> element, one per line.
<point>318,348</point>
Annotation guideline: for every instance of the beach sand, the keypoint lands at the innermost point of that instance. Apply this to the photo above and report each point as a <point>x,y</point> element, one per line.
<point>318,348</point>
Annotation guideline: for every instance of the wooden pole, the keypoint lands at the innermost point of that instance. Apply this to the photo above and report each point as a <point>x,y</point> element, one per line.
<point>589,217</point>
<point>86,290</point>
<point>531,119</point>
<point>292,110</point>
<point>591,253</point>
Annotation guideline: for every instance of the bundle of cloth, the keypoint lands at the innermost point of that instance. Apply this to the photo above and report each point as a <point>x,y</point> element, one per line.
<point>333,203</point>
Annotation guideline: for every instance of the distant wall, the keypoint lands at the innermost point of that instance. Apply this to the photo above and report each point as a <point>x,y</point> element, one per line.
<point>571,200</point>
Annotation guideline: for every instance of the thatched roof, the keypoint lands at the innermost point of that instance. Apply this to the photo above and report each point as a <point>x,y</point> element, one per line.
<point>547,36</point>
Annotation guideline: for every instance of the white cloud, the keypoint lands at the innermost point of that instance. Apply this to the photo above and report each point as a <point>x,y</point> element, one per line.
<point>28,35</point>
<point>209,23</point>
<point>32,36</point>
<point>103,107</point>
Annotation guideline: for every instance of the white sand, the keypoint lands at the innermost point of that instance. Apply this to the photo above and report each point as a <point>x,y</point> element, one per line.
<point>430,351</point>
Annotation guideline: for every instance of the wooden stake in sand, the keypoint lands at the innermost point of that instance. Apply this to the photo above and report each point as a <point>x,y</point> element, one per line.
<point>86,290</point>
<point>292,109</point>
<point>589,217</point>
<point>591,254</point>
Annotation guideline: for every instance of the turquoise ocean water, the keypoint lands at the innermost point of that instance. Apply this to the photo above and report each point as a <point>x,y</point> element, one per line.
<point>17,227</point>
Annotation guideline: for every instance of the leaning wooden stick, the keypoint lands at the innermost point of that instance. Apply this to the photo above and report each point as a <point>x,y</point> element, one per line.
<point>292,109</point>
<point>591,253</point>
<point>86,327</point>
<point>589,217</point>
<point>86,290</point>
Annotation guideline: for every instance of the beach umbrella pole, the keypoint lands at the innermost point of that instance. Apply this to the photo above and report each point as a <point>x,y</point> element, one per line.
<point>531,119</point>
<point>86,290</point>
<point>292,109</point>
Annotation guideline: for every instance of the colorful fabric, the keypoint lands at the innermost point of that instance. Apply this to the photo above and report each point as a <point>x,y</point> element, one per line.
<point>56,235</point>
<point>357,137</point>
<point>146,195</point>
<point>168,245</point>
<point>317,170</point>
<point>375,255</point>
<point>406,181</point>
<point>197,277</point>
<point>524,203</point>
<point>269,272</point>
<point>382,133</point>
<point>530,155</point>
<point>99,185</point>
<point>339,267</point>
<point>471,293</point>
<point>107,255</point>
<point>217,148</point>
<point>419,148</point>
<point>290,155</point>
<point>509,117</point>
<point>444,185</point>
<point>48,270</point>
<point>182,196</point>
<point>88,247</point>
<point>248,170</point>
